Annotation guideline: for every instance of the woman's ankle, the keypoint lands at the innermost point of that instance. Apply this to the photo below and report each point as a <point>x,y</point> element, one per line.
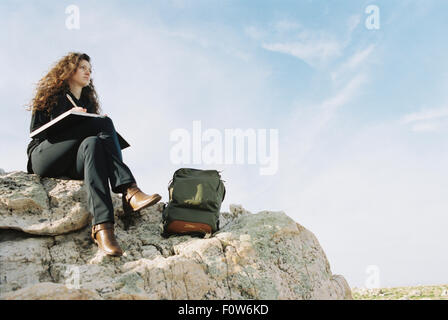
<point>123,188</point>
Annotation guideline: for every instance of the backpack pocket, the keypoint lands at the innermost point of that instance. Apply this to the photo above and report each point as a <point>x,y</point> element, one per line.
<point>195,193</point>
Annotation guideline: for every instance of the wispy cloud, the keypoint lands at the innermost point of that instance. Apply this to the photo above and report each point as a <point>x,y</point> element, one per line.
<point>315,47</point>
<point>319,48</point>
<point>359,57</point>
<point>425,127</point>
<point>353,62</point>
<point>353,21</point>
<point>254,32</point>
<point>206,41</point>
<point>431,114</point>
<point>430,120</point>
<point>286,25</point>
<point>310,128</point>
<point>313,50</point>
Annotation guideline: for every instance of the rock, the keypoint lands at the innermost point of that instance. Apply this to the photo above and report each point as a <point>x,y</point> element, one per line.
<point>42,206</point>
<point>253,256</point>
<point>51,291</point>
<point>2,172</point>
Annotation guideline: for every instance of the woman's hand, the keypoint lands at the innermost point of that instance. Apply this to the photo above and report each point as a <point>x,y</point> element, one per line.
<point>79,109</point>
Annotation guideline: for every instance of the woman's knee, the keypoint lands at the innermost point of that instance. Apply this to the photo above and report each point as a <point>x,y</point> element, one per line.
<point>107,123</point>
<point>103,120</point>
<point>107,119</point>
<point>90,143</point>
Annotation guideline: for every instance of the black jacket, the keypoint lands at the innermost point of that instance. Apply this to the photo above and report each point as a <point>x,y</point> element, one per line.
<point>39,118</point>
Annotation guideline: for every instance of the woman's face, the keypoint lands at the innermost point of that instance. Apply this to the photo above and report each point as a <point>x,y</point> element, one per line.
<point>82,74</point>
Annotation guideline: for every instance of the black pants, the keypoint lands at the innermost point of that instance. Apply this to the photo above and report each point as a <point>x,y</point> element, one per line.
<point>88,151</point>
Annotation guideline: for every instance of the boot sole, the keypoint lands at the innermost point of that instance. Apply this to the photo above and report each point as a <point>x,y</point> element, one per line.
<point>109,254</point>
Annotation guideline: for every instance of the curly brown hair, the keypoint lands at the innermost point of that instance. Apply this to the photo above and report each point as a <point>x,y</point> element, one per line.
<point>55,84</point>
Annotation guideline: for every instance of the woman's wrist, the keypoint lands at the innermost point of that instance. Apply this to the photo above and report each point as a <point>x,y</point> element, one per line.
<point>79,109</point>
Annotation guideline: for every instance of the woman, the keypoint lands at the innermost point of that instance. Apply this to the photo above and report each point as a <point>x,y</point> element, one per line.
<point>88,151</point>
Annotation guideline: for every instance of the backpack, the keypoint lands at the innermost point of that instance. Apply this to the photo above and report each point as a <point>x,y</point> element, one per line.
<point>195,198</point>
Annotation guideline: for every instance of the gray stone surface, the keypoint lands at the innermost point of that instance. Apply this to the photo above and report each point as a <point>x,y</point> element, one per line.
<point>253,256</point>
<point>41,206</point>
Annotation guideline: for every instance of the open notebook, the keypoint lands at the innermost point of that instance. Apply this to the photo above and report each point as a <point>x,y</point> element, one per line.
<point>66,120</point>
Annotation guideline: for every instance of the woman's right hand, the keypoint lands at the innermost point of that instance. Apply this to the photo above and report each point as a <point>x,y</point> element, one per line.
<point>79,109</point>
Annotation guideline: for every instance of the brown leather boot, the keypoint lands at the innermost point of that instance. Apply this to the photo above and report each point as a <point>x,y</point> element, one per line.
<point>134,199</point>
<point>103,235</point>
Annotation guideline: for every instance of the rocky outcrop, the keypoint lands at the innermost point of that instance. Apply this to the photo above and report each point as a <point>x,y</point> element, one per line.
<point>46,252</point>
<point>42,206</point>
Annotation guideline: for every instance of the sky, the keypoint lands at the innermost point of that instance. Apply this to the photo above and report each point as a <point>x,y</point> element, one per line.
<point>344,105</point>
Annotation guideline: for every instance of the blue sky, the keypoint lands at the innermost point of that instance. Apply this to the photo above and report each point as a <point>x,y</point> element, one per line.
<point>361,114</point>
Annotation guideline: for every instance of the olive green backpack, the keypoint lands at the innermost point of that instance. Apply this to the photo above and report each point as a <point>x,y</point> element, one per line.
<point>195,198</point>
